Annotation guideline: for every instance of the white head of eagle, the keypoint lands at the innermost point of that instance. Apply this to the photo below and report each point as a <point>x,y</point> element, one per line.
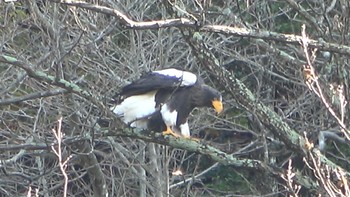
<point>162,100</point>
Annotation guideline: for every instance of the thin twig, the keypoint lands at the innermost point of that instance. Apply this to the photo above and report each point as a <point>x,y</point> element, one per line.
<point>62,163</point>
<point>32,96</point>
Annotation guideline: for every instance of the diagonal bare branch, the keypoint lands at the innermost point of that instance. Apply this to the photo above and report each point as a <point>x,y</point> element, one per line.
<point>31,96</point>
<point>221,29</point>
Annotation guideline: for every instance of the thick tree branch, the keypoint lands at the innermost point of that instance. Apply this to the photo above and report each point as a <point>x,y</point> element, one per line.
<point>128,23</point>
<point>182,22</point>
<point>269,35</point>
<point>188,144</point>
<point>215,154</point>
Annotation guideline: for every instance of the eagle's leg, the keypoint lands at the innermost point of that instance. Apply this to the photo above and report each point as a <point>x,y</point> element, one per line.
<point>168,131</point>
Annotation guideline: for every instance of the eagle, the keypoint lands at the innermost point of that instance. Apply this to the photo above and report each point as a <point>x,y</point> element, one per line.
<point>162,101</point>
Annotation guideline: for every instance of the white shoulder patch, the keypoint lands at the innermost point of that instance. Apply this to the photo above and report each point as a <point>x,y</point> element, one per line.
<point>187,78</point>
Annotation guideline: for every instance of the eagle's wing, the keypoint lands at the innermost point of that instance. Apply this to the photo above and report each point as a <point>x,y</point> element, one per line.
<point>141,99</point>
<point>167,79</point>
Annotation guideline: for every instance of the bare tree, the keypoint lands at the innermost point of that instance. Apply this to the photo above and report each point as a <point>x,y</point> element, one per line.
<point>282,66</point>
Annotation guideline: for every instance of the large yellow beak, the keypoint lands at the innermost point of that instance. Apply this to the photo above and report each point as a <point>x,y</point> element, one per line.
<point>218,106</point>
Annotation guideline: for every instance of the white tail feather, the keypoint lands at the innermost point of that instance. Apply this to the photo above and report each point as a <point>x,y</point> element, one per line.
<point>135,108</point>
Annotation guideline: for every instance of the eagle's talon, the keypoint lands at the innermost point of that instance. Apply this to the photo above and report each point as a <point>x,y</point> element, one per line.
<point>168,131</point>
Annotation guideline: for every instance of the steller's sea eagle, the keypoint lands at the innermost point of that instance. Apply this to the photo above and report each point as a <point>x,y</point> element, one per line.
<point>162,101</point>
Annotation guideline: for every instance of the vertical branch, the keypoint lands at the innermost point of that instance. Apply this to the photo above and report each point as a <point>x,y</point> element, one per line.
<point>342,100</point>
<point>165,161</point>
<point>143,176</point>
<point>313,82</point>
<point>63,164</point>
<point>156,169</point>
<point>293,188</point>
<point>29,193</point>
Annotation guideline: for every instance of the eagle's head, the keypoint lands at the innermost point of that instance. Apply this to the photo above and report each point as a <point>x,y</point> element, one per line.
<point>207,96</point>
